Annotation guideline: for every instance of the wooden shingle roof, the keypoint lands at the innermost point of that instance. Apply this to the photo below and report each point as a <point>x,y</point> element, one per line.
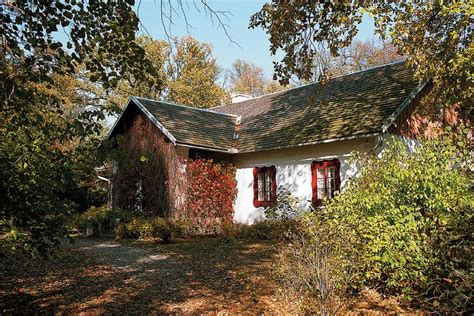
<point>352,105</point>
<point>192,126</point>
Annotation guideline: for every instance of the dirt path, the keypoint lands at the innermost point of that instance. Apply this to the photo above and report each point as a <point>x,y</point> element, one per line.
<point>104,276</point>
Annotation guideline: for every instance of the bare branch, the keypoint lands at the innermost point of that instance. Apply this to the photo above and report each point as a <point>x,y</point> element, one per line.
<point>219,16</point>
<point>167,9</point>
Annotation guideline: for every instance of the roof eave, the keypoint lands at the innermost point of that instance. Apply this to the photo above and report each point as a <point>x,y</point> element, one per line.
<point>323,141</point>
<point>403,105</point>
<point>221,150</point>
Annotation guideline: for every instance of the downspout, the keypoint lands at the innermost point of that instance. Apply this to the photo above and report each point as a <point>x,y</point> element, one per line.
<point>109,191</point>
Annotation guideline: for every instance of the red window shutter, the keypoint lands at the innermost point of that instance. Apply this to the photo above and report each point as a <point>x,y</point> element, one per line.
<point>317,200</point>
<point>256,202</point>
<point>314,182</point>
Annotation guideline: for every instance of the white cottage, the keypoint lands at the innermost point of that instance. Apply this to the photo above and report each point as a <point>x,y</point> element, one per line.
<point>299,139</point>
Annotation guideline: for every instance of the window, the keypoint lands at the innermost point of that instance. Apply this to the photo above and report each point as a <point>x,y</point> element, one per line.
<point>325,179</point>
<point>264,186</point>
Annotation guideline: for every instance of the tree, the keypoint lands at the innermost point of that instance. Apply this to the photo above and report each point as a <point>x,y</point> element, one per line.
<point>245,77</point>
<point>48,128</point>
<point>157,51</point>
<point>55,91</point>
<point>362,55</point>
<point>187,70</point>
<point>436,38</point>
<point>272,86</point>
<point>358,56</point>
<point>192,74</point>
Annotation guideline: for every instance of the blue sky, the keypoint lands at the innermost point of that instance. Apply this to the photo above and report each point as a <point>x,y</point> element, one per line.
<point>254,44</point>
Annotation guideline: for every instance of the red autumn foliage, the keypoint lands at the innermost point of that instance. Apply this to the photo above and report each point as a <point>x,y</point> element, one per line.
<point>211,190</point>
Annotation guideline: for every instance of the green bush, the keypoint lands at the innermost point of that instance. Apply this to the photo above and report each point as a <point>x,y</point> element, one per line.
<point>274,230</point>
<point>409,218</point>
<point>287,206</point>
<point>184,228</point>
<point>101,219</point>
<point>135,228</point>
<point>121,231</point>
<point>156,227</point>
<point>261,230</point>
<point>316,269</point>
<point>162,228</point>
<point>169,229</point>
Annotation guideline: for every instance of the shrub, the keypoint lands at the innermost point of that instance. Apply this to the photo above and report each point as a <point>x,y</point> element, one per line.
<point>409,218</point>
<point>315,271</point>
<point>135,228</point>
<point>100,219</point>
<point>287,206</point>
<point>156,227</point>
<point>183,228</point>
<point>121,231</point>
<point>162,228</point>
<point>261,230</point>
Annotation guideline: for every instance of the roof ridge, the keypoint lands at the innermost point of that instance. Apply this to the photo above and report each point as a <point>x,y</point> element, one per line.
<point>370,68</point>
<point>187,107</point>
<point>313,83</point>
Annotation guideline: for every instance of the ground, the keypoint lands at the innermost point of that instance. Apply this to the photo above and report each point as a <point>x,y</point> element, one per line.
<point>104,276</point>
<point>205,275</point>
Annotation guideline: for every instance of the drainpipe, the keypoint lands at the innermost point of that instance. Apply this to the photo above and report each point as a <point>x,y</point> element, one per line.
<point>109,191</point>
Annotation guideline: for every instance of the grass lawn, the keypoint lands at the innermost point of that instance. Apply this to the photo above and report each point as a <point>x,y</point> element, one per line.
<point>208,275</point>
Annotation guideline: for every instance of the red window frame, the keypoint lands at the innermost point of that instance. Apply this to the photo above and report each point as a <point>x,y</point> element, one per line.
<point>325,165</point>
<point>271,171</point>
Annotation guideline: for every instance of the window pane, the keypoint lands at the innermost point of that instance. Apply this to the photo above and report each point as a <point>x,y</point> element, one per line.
<point>330,191</point>
<point>261,184</point>
<point>331,185</point>
<point>321,193</point>
<point>321,188</point>
<point>268,186</point>
<point>331,172</point>
<point>320,173</point>
<point>268,195</point>
<point>321,184</point>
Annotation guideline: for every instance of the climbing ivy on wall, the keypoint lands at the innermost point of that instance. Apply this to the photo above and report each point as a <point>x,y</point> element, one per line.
<point>147,171</point>
<point>152,180</point>
<point>211,190</point>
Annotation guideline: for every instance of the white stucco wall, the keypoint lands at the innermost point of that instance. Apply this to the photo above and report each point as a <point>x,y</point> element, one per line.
<point>293,171</point>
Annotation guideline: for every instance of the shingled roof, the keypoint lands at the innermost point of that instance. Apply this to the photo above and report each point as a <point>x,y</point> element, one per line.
<point>186,125</point>
<point>358,104</point>
<point>351,105</point>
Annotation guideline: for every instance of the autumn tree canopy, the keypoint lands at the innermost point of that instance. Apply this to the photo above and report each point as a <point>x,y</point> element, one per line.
<point>188,74</point>
<point>192,74</point>
<point>356,57</point>
<point>435,37</point>
<point>246,77</point>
